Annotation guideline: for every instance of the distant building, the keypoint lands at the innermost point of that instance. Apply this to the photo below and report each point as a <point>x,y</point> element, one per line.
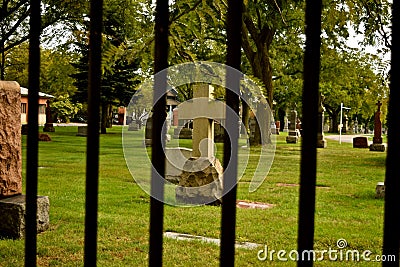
<point>42,106</point>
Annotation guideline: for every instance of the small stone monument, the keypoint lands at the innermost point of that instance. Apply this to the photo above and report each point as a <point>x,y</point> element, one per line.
<point>294,133</point>
<point>377,140</point>
<point>48,126</point>
<point>133,126</point>
<point>360,142</point>
<point>201,178</point>
<point>148,141</point>
<point>380,190</point>
<point>12,202</point>
<point>321,142</point>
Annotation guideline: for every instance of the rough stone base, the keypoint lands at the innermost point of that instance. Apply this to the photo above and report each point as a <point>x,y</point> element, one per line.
<point>380,190</point>
<point>201,182</point>
<point>48,127</point>
<point>12,216</point>
<point>377,147</point>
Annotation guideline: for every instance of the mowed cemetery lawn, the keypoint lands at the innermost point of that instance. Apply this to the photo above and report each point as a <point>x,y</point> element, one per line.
<point>346,208</point>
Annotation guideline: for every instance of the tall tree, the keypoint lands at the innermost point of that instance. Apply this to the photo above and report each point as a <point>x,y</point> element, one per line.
<point>119,77</point>
<point>14,20</point>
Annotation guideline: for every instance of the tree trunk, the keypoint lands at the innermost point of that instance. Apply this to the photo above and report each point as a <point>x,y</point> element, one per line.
<point>335,122</point>
<point>245,115</point>
<point>259,60</point>
<point>105,117</point>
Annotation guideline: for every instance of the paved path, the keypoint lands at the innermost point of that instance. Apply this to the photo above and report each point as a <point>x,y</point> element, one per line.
<point>70,124</point>
<point>348,138</point>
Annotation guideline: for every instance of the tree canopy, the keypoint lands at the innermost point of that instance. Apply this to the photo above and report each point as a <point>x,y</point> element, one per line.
<point>272,42</point>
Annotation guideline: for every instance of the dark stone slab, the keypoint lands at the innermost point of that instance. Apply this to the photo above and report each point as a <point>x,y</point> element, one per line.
<point>360,142</point>
<point>12,216</point>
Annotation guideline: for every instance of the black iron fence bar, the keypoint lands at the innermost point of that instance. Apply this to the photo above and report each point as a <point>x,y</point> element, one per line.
<point>33,128</point>
<point>228,217</point>
<point>92,146</point>
<point>391,232</point>
<point>158,133</point>
<point>308,165</point>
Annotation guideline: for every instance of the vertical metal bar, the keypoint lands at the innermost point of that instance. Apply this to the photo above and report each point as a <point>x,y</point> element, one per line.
<point>308,167</point>
<point>158,133</point>
<point>92,146</point>
<point>391,232</point>
<point>228,220</point>
<point>33,128</point>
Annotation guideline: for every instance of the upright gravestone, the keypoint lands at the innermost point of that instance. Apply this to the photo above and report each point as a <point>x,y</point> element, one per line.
<point>201,178</point>
<point>48,126</point>
<point>148,132</point>
<point>10,140</point>
<point>321,142</point>
<point>12,203</point>
<point>294,133</point>
<point>377,140</point>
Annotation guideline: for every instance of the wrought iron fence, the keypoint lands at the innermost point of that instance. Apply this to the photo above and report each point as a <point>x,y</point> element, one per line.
<point>309,144</point>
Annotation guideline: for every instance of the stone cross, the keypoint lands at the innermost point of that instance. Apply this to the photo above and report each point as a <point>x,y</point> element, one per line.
<point>10,139</point>
<point>203,128</point>
<point>203,110</point>
<point>201,179</point>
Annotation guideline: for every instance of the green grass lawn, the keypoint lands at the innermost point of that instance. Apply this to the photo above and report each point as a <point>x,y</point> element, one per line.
<point>346,208</point>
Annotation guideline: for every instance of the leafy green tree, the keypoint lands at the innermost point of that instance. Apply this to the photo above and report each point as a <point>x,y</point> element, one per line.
<point>58,17</point>
<point>56,71</point>
<point>119,70</point>
<point>63,109</point>
<point>16,65</point>
<point>349,78</point>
